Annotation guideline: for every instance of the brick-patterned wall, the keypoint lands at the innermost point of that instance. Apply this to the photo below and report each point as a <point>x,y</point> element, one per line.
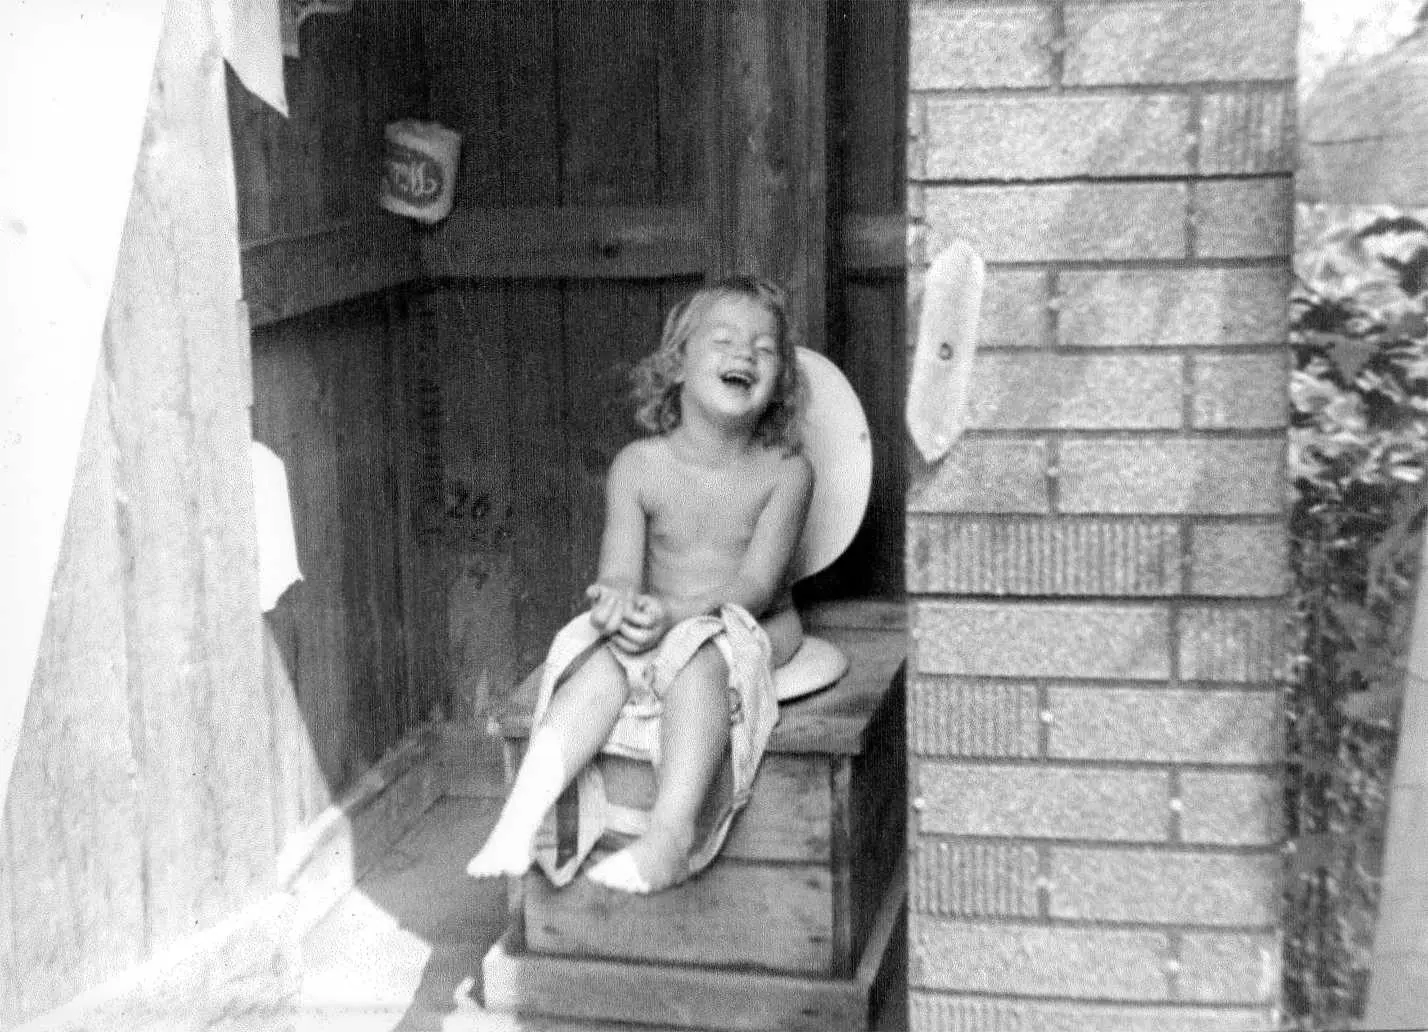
<point>1098,567</point>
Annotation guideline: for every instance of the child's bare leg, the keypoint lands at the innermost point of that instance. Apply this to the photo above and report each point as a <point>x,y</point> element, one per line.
<point>575,725</point>
<point>694,734</point>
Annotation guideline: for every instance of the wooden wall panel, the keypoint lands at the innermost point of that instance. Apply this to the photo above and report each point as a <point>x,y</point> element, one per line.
<point>539,450</point>
<point>869,84</point>
<point>476,517</point>
<point>871,355</point>
<point>140,809</point>
<point>186,525</point>
<point>325,403</point>
<point>610,327</point>
<point>609,104</point>
<point>592,122</point>
<point>331,396</point>
<point>74,856</point>
<point>766,155</point>
<point>529,104</point>
<point>321,165</point>
<point>465,72</point>
<point>867,310</point>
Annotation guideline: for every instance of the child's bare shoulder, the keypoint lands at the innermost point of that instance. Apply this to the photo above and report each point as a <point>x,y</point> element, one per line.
<point>635,461</point>
<point>790,475</point>
<point>793,469</point>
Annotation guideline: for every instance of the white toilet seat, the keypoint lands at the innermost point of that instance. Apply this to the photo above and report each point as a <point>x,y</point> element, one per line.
<point>837,442</point>
<point>817,664</point>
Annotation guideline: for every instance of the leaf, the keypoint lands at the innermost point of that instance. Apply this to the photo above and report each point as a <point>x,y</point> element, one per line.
<point>1377,706</point>
<point>1315,851</point>
<point>1385,224</point>
<point>1351,355</point>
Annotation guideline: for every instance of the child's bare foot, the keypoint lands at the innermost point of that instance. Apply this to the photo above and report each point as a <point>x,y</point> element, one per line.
<point>509,851</point>
<point>657,860</point>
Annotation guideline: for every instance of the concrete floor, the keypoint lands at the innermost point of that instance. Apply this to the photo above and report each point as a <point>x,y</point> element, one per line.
<point>402,952</point>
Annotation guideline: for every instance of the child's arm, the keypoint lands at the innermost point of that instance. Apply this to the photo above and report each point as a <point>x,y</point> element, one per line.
<point>761,576</point>
<point>622,546</point>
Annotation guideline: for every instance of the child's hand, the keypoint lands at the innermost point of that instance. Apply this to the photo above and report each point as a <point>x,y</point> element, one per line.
<point>646,621</point>
<point>609,606</point>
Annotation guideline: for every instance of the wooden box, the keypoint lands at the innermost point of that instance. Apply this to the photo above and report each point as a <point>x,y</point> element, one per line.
<point>792,925</point>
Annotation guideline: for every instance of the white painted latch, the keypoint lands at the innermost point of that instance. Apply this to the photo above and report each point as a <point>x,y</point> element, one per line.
<point>940,386</point>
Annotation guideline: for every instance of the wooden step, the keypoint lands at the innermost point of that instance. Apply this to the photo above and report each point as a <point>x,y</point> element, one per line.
<point>704,996</point>
<point>781,926</point>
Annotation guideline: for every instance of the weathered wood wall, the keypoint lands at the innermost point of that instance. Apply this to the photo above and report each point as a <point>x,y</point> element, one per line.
<point>608,166</point>
<point>350,648</point>
<point>138,813</point>
<point>868,110</point>
<point>585,116</point>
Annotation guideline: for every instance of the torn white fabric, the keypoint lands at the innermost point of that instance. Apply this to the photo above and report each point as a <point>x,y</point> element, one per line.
<point>250,32</point>
<point>278,567</point>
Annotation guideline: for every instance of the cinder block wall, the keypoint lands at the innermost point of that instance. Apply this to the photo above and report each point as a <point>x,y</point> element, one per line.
<point>1098,568</point>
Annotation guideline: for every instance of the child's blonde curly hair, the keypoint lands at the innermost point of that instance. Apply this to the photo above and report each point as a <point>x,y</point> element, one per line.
<point>656,378</point>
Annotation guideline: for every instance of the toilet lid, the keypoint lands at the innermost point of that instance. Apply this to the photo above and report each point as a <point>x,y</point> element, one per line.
<point>837,443</point>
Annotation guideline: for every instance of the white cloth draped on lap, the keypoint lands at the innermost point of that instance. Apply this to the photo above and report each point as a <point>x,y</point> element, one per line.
<point>753,711</point>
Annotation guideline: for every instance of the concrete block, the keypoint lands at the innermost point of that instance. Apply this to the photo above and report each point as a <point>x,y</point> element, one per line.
<point>1239,559</point>
<point>974,879</point>
<point>1117,642</point>
<point>1231,808</point>
<point>957,46</point>
<point>1229,968</point>
<point>1187,475</point>
<point>1246,132</point>
<point>1076,392</point>
<point>1171,41</point>
<point>1054,137</point>
<point>1061,222</point>
<point>1165,725</point>
<point>1164,886</point>
<point>936,1012</point>
<point>1173,307</point>
<point>974,718</point>
<point>983,475</point>
<point>1244,218</point>
<point>1240,391</point>
<point>1016,310</point>
<point>1038,801</point>
<point>1043,556</point>
<point>1233,643</point>
<point>1106,964</point>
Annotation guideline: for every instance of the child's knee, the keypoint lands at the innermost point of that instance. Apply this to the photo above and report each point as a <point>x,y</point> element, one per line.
<point>600,672</point>
<point>709,667</point>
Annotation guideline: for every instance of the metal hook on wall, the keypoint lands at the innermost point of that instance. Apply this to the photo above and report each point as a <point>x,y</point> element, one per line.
<point>295,12</point>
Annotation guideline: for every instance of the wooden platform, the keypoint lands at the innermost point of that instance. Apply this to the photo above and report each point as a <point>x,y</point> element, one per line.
<point>793,925</point>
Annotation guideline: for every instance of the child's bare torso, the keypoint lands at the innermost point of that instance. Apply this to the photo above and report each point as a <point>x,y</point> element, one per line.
<point>700,522</point>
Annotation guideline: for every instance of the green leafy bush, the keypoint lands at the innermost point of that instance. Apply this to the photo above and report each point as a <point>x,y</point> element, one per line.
<point>1358,452</point>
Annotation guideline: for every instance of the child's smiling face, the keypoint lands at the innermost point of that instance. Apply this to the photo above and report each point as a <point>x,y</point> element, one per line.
<point>731,360</point>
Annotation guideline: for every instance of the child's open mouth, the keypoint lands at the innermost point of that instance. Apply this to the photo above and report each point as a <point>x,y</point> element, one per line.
<point>737,378</point>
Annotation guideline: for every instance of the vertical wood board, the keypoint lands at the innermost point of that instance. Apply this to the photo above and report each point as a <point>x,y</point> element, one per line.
<point>539,484</point>
<point>191,623</point>
<point>477,516</point>
<point>609,328</point>
<point>766,175</point>
<point>324,404</point>
<point>608,103</point>
<point>72,868</point>
<point>531,170</point>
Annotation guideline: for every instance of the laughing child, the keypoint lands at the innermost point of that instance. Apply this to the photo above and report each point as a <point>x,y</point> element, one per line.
<point>702,519</point>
